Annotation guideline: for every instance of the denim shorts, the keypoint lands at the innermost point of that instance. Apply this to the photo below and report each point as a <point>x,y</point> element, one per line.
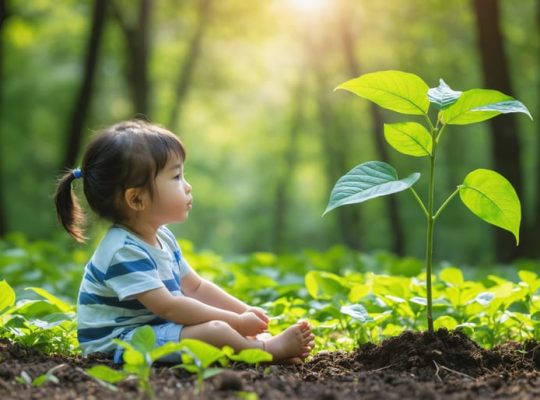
<point>167,332</point>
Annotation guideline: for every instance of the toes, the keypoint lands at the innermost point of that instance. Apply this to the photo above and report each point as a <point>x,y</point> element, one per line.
<point>304,325</point>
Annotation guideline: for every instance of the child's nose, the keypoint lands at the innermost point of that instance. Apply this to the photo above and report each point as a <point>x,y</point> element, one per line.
<point>187,187</point>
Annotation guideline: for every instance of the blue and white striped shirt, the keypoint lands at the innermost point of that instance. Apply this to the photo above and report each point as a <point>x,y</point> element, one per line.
<point>122,267</point>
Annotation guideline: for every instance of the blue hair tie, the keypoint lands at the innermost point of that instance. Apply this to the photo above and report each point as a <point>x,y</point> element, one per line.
<point>77,173</point>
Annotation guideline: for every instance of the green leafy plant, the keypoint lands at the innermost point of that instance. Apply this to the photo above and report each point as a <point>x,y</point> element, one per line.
<point>46,324</point>
<point>139,355</point>
<point>197,357</point>
<point>486,193</point>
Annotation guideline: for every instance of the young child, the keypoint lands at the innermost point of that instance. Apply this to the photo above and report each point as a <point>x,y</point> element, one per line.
<point>132,175</point>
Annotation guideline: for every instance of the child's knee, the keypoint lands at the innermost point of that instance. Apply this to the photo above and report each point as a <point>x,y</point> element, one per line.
<point>219,326</point>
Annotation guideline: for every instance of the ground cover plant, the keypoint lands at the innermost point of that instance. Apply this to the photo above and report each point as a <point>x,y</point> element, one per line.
<point>362,307</point>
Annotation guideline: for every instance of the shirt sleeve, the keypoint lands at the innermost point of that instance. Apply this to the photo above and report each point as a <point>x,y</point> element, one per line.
<point>183,265</point>
<point>132,271</point>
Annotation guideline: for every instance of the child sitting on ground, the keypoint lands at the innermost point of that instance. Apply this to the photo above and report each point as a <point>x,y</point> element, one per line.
<point>132,175</point>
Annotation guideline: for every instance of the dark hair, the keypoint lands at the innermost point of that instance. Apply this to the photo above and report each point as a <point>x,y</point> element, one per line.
<point>127,155</point>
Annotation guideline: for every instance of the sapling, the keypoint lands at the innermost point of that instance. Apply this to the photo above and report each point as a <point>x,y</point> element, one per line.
<point>486,193</point>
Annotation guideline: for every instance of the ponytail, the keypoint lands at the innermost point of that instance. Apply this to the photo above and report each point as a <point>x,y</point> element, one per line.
<point>68,209</point>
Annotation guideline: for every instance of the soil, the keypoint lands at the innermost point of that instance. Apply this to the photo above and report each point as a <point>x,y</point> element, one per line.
<point>419,365</point>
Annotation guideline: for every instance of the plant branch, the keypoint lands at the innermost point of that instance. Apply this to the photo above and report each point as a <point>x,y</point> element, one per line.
<point>443,206</point>
<point>440,133</point>
<point>430,124</point>
<point>419,200</point>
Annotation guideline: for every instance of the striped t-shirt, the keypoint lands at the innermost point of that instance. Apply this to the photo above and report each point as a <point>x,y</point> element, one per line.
<point>122,267</point>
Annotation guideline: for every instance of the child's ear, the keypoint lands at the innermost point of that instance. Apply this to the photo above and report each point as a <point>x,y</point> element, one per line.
<point>134,198</point>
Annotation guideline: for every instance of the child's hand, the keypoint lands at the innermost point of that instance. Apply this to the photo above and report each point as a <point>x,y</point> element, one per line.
<point>250,324</point>
<point>259,312</point>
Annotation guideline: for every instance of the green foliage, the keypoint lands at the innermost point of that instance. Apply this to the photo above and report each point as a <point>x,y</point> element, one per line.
<point>197,358</point>
<point>491,197</point>
<point>47,324</point>
<point>347,297</point>
<point>486,193</point>
<point>368,181</point>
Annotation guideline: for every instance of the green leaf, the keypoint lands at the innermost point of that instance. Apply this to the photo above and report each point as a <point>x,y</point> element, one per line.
<point>453,276</point>
<point>422,301</point>
<point>445,321</point>
<point>62,305</point>
<point>398,91</point>
<point>7,295</point>
<point>443,96</point>
<point>368,181</point>
<point>324,285</point>
<point>409,138</point>
<point>204,352</point>
<point>252,356</point>
<point>144,339</point>
<point>210,372</point>
<point>492,198</point>
<point>477,105</point>
<point>106,374</point>
<point>165,350</point>
<point>484,298</point>
<point>131,355</point>
<point>357,311</point>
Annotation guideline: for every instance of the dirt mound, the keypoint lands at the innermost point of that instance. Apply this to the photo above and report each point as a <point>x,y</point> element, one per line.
<point>421,353</point>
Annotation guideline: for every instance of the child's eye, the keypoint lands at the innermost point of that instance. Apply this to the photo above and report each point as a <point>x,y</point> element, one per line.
<point>178,177</point>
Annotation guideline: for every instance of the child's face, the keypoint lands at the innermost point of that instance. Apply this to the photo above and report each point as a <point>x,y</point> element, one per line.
<point>172,198</point>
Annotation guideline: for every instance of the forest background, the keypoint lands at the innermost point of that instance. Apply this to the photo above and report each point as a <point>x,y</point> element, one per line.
<point>248,86</point>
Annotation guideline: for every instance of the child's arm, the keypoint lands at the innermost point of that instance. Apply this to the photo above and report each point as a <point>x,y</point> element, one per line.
<point>209,293</point>
<point>190,311</point>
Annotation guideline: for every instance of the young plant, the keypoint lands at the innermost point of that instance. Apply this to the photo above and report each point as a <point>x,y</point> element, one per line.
<point>139,355</point>
<point>486,193</point>
<point>197,357</point>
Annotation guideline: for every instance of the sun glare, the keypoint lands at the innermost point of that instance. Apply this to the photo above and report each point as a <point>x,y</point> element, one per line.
<point>308,5</point>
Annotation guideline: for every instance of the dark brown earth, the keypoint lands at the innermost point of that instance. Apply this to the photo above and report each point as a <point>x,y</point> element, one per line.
<point>444,365</point>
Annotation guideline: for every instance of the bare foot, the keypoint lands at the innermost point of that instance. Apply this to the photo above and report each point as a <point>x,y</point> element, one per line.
<point>294,342</point>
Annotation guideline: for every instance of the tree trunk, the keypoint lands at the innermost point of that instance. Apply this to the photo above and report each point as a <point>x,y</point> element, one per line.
<point>185,72</point>
<point>82,103</point>
<point>504,130</point>
<point>377,132</point>
<point>137,46</point>
<point>281,204</point>
<point>335,145</point>
<point>3,219</point>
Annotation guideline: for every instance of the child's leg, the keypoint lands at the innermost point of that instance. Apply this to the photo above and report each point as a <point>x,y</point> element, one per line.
<point>295,341</point>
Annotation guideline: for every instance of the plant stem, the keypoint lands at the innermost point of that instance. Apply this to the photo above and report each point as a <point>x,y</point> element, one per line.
<point>429,238</point>
<point>441,208</point>
<point>419,200</point>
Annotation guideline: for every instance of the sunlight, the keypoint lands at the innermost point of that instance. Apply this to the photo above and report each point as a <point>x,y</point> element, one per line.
<point>308,5</point>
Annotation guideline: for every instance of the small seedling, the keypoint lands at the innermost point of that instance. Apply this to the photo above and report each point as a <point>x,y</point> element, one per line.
<point>48,376</point>
<point>197,357</point>
<point>486,193</point>
<point>139,355</point>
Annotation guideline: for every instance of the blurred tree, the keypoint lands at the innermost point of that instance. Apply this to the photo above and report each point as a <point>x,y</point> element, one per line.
<point>185,72</point>
<point>290,161</point>
<point>334,142</point>
<point>84,96</point>
<point>348,40</point>
<point>136,34</point>
<point>504,129</point>
<point>3,17</point>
